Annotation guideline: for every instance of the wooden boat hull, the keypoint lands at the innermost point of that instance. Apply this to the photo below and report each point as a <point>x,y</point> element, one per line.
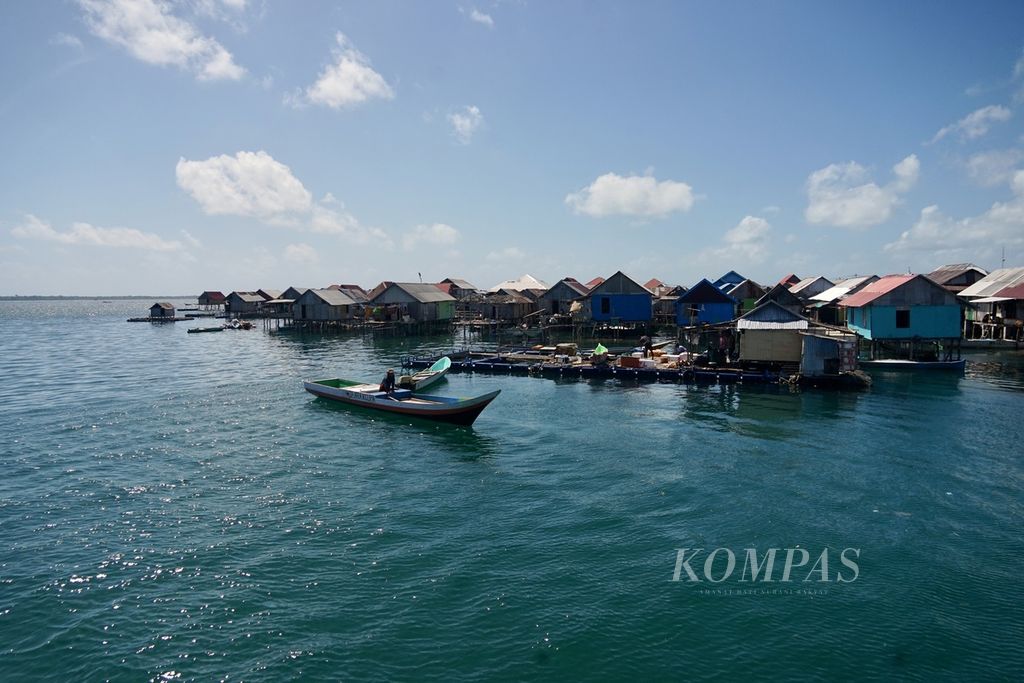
<point>432,375</point>
<point>460,411</point>
<point>954,365</point>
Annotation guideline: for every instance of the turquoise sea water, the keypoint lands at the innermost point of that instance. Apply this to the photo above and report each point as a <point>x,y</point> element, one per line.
<point>176,506</point>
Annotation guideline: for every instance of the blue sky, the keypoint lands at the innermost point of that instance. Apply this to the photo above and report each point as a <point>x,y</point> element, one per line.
<point>171,147</point>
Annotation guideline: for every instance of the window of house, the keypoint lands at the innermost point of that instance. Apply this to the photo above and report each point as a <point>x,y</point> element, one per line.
<point>903,319</point>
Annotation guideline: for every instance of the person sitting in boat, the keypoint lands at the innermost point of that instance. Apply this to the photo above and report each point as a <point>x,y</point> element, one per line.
<point>388,385</point>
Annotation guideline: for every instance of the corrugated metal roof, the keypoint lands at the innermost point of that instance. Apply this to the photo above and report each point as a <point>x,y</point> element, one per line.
<point>460,283</point>
<point>772,316</point>
<point>424,293</point>
<point>994,282</point>
<point>521,283</point>
<point>842,288</point>
<point>333,297</point>
<point>879,287</point>
<point>248,297</point>
<point>1014,292</point>
<point>807,282</point>
<point>944,274</point>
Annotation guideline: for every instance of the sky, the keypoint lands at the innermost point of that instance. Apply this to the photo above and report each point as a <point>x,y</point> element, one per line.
<point>171,147</point>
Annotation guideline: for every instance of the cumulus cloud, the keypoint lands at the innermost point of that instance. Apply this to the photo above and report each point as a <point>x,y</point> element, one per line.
<point>348,82</point>
<point>438,233</point>
<point>255,185</point>
<point>301,254</point>
<point>746,241</point>
<point>612,194</point>
<point>975,124</point>
<point>84,234</point>
<point>994,167</point>
<point>465,123</point>
<point>479,17</point>
<point>250,184</point>
<point>843,195</point>
<point>1002,224</point>
<point>151,33</point>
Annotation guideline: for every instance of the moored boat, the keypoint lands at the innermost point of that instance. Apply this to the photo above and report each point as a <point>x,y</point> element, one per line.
<point>194,330</point>
<point>427,377</point>
<point>461,411</point>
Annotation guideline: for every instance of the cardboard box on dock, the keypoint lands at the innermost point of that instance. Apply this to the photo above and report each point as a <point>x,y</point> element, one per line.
<point>629,362</point>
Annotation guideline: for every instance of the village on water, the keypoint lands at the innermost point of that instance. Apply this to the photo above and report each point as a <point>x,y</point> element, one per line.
<point>812,330</point>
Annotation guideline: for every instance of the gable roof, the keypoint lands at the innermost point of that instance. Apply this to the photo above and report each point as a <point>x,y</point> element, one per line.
<point>653,283</point>
<point>811,283</point>
<point>248,297</point>
<point>789,280</point>
<point>705,293</point>
<point>459,283</point>
<point>330,296</point>
<point>519,284</point>
<point>890,283</point>
<point>269,293</point>
<point>748,289</point>
<point>772,316</point>
<point>594,283</point>
<point>780,294</point>
<point>730,278</point>
<point>164,305</point>
<point>994,282</point>
<point>424,293</point>
<point>944,274</point>
<point>620,283</point>
<point>844,288</point>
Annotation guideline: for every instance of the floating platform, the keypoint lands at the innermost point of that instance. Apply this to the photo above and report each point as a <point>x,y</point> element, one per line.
<point>158,320</point>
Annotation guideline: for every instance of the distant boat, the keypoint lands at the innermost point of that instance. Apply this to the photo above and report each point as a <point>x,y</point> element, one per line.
<point>193,330</point>
<point>898,364</point>
<point>461,411</point>
<point>424,378</point>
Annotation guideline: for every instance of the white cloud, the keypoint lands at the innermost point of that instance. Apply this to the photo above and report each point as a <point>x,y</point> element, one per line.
<point>479,17</point>
<point>190,240</point>
<point>507,254</point>
<point>329,217</point>
<point>152,34</point>
<point>438,233</point>
<point>994,167</point>
<point>349,81</point>
<point>613,194</point>
<point>248,184</point>
<point>67,40</point>
<point>1001,225</point>
<point>465,123</point>
<point>747,241</point>
<point>301,254</point>
<point>256,185</point>
<point>843,194</point>
<point>975,124</point>
<point>83,234</point>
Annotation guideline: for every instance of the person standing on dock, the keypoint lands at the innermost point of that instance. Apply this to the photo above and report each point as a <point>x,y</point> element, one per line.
<point>645,342</point>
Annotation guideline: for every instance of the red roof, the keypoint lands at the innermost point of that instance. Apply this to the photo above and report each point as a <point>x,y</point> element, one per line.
<point>445,287</point>
<point>876,289</point>
<point>1014,292</point>
<point>653,283</point>
<point>595,282</point>
<point>790,279</point>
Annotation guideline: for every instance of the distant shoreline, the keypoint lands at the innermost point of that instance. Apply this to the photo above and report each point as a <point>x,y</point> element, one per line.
<point>121,297</point>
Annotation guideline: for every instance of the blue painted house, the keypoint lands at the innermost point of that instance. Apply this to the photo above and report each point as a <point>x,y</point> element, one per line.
<point>903,307</point>
<point>621,298</point>
<point>704,304</point>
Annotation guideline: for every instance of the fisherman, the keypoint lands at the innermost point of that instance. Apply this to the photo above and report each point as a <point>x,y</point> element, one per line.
<point>388,385</point>
<point>645,342</point>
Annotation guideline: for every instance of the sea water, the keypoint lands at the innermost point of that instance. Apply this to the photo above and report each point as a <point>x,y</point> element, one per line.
<point>175,506</point>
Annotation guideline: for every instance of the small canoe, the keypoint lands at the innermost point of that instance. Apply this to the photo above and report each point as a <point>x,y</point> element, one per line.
<point>195,330</point>
<point>424,378</point>
<point>461,411</point>
<point>897,364</point>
